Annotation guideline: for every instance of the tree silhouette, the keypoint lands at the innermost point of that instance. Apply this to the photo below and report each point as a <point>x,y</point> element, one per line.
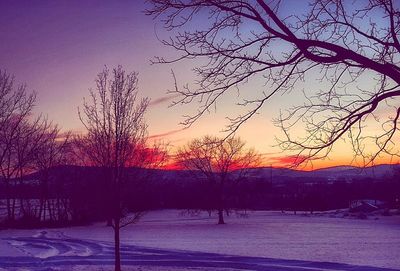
<point>219,161</point>
<point>29,140</point>
<point>27,144</point>
<point>53,150</point>
<point>116,136</point>
<point>351,49</point>
<point>16,105</point>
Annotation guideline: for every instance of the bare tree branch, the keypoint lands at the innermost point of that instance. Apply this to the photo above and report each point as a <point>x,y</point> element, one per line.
<point>344,43</point>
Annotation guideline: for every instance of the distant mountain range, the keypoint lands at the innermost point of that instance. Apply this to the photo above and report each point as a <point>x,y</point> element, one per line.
<point>378,171</point>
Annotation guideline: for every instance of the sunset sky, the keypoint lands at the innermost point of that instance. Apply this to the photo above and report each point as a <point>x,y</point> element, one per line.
<point>58,47</point>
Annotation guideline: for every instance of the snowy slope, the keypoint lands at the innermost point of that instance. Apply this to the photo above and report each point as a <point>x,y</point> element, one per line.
<point>165,237</point>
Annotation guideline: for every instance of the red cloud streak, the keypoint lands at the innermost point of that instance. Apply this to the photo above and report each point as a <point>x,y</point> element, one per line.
<point>285,161</point>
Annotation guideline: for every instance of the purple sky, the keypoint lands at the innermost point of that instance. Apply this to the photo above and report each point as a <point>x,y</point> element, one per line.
<point>58,47</point>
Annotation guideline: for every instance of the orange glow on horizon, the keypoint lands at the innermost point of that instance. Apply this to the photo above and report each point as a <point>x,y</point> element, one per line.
<point>307,166</point>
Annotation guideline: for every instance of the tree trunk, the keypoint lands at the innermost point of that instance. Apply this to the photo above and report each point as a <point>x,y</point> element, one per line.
<point>58,215</point>
<point>22,207</point>
<point>41,209</point>
<point>13,207</point>
<point>221,216</point>
<point>21,197</point>
<point>9,216</point>
<point>117,266</point>
<point>50,208</point>
<point>221,203</point>
<point>117,219</point>
<point>8,201</point>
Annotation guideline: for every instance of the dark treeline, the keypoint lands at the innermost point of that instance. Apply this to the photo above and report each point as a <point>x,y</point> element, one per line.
<point>76,194</point>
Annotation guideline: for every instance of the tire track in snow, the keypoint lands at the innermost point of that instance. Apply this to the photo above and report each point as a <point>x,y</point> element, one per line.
<point>42,251</point>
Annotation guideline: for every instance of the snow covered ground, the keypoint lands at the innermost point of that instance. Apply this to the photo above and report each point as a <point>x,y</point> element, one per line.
<point>166,240</point>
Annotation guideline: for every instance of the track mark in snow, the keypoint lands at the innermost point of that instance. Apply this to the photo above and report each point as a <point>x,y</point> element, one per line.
<point>46,250</point>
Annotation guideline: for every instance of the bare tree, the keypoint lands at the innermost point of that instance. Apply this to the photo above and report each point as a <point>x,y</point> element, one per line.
<point>16,106</point>
<point>52,151</point>
<point>116,135</point>
<point>349,48</point>
<point>26,144</point>
<point>219,161</point>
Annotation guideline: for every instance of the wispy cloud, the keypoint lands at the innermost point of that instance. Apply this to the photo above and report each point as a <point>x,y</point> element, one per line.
<point>166,134</point>
<point>164,99</point>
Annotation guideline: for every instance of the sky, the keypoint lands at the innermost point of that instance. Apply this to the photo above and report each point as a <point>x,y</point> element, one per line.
<point>58,47</point>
